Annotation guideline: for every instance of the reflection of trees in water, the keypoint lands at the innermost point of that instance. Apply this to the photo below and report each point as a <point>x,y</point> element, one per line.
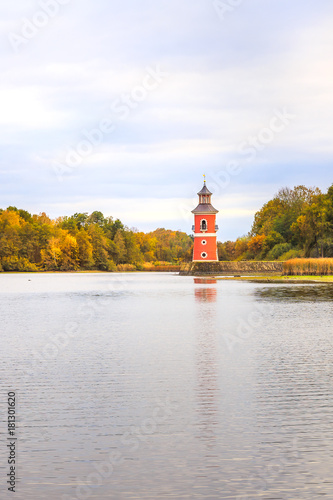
<point>297,293</point>
<point>294,360</point>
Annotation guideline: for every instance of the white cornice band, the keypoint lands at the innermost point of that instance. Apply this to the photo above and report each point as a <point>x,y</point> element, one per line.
<point>203,235</point>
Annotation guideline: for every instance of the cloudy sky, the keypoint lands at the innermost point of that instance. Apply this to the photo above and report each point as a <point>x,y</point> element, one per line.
<point>123,106</point>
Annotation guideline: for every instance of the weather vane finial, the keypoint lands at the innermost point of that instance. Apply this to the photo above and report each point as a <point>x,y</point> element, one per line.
<point>204,178</point>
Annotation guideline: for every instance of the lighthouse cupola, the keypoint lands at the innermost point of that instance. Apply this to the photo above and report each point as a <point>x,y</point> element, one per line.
<point>205,228</point>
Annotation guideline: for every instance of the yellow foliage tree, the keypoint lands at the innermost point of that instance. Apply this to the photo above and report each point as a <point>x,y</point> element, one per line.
<point>85,254</point>
<point>256,244</point>
<point>51,255</point>
<point>69,253</point>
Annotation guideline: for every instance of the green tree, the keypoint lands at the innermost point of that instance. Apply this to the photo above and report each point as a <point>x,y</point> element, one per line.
<point>133,252</point>
<point>81,219</point>
<point>85,251</point>
<point>282,211</point>
<point>96,218</point>
<point>101,247</point>
<point>312,225</point>
<point>120,251</point>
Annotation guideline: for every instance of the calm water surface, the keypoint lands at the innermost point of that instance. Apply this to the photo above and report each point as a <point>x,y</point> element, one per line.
<point>155,386</point>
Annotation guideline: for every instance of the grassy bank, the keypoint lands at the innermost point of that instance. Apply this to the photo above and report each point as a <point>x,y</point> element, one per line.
<point>282,279</point>
<point>120,268</point>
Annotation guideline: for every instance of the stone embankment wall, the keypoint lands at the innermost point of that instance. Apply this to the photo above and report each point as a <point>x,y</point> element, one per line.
<point>243,268</point>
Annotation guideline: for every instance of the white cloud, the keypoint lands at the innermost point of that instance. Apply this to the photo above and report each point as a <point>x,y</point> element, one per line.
<point>26,109</point>
<point>225,82</point>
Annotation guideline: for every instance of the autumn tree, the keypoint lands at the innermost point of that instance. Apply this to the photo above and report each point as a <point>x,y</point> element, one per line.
<point>51,255</point>
<point>119,248</point>
<point>282,211</point>
<point>256,245</point>
<point>85,250</point>
<point>312,225</point>
<point>69,259</point>
<point>101,247</point>
<point>10,226</point>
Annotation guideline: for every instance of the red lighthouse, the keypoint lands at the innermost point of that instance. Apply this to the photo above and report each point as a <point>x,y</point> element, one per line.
<point>205,228</point>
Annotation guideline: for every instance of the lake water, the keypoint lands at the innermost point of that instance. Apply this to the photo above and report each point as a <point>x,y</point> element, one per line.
<point>156,386</point>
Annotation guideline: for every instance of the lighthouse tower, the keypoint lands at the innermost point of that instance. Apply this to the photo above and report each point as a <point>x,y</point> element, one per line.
<point>205,238</point>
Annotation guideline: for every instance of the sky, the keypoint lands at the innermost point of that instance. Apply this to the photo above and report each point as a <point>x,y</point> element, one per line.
<point>123,106</point>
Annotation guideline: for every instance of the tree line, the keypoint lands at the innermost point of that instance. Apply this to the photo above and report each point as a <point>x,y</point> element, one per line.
<point>83,242</point>
<point>296,223</point>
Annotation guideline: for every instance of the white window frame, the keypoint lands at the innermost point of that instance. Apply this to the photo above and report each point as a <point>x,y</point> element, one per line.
<point>203,220</point>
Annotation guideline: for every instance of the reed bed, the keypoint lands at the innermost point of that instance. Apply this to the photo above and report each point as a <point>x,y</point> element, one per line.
<point>169,269</point>
<point>308,267</point>
<point>147,267</point>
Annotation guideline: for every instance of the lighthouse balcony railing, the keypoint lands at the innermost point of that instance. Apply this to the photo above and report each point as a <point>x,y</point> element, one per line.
<point>216,228</point>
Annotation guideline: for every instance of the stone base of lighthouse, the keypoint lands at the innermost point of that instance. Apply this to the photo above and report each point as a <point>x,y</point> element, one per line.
<point>224,268</point>
<point>205,260</point>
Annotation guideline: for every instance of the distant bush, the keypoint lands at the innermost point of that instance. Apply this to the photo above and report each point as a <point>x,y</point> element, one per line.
<point>308,267</point>
<point>292,254</point>
<point>162,267</point>
<point>19,264</point>
<point>111,266</point>
<point>122,268</point>
<point>278,250</point>
<point>242,257</point>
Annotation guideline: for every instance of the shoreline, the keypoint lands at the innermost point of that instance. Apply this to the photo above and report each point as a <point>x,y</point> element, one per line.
<point>279,279</point>
<point>97,271</point>
<point>269,279</point>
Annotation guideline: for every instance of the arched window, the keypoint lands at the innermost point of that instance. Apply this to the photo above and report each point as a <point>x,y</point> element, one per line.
<point>203,225</point>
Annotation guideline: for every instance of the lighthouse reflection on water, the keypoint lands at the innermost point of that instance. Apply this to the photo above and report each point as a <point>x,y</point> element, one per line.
<point>205,294</point>
<point>206,356</point>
